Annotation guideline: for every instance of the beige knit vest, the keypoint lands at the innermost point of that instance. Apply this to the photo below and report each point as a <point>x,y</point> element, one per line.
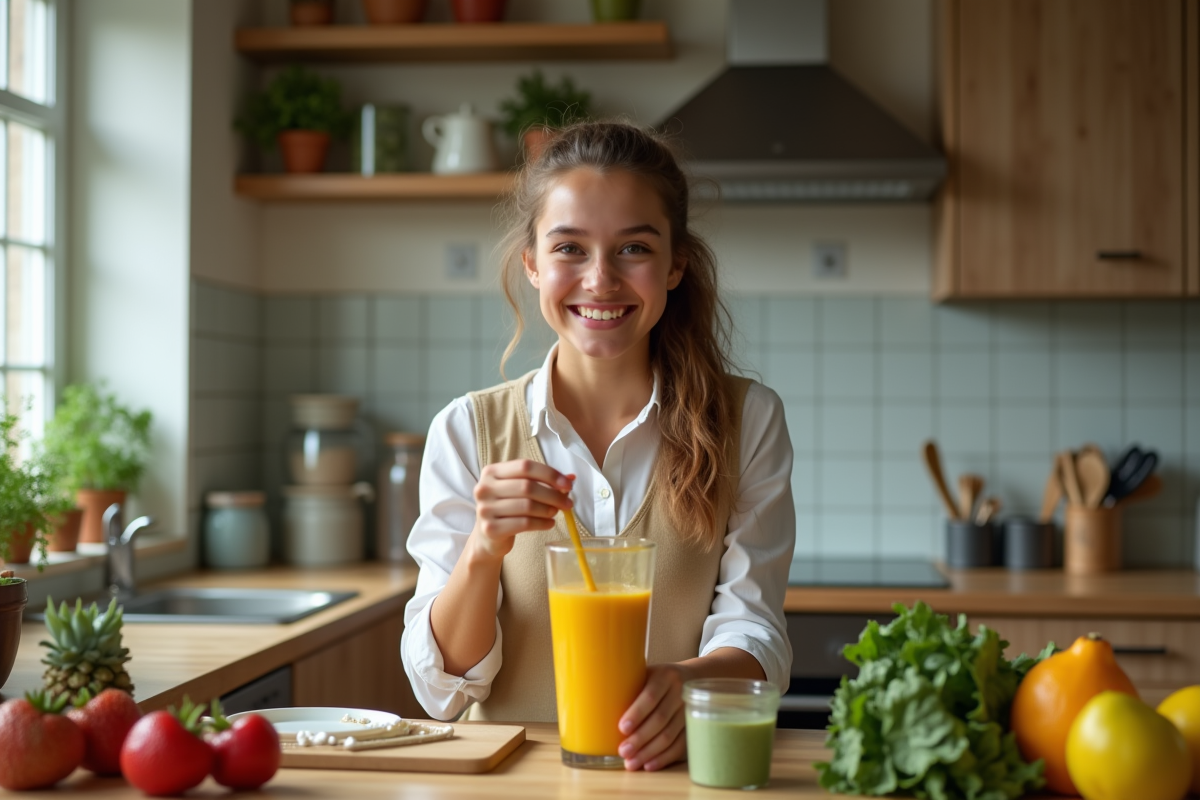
<point>685,576</point>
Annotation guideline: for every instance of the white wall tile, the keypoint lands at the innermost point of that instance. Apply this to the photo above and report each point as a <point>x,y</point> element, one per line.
<point>1023,430</point>
<point>289,369</point>
<point>1088,374</point>
<point>450,368</point>
<point>342,369</point>
<point>343,318</point>
<point>1021,325</point>
<point>905,428</point>
<point>845,533</point>
<point>849,321</point>
<point>748,316</point>
<point>1023,375</point>
<point>847,374</point>
<point>291,319</point>
<point>806,535</point>
<point>450,319</point>
<point>804,481</point>
<point>847,429</point>
<point>802,426</point>
<point>1087,324</point>
<point>398,369</point>
<point>1154,323</point>
<point>790,321</point>
<point>1156,426</point>
<point>791,373</point>
<point>1076,424</point>
<point>964,375</point>
<point>904,485</point>
<point>906,375</point>
<point>910,534</point>
<point>240,314</point>
<point>905,323</point>
<point>846,482</point>
<point>1154,374</point>
<point>397,318</point>
<point>1020,483</point>
<point>963,326</point>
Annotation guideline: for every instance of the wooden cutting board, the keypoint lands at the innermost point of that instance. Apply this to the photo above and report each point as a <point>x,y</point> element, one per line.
<point>473,748</point>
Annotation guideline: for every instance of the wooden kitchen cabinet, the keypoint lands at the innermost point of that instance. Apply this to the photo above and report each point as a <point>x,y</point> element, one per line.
<point>362,670</point>
<point>1159,656</point>
<point>1070,131</point>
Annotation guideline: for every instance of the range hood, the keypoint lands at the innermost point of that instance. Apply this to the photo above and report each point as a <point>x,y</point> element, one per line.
<point>780,125</point>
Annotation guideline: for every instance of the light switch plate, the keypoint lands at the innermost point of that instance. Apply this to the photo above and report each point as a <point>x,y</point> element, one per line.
<point>829,260</point>
<point>462,261</point>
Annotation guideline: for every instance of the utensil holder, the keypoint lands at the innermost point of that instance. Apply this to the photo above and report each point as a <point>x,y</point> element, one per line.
<point>1091,540</point>
<point>1028,544</point>
<point>969,545</point>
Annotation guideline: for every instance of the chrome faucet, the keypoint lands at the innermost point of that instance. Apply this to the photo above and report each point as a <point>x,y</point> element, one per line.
<point>119,564</point>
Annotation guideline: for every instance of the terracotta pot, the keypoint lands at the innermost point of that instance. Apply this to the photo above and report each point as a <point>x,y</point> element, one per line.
<point>478,10</point>
<point>13,598</point>
<point>311,12</point>
<point>94,503</point>
<point>20,546</point>
<point>394,12</point>
<point>65,535</point>
<point>534,141</point>
<point>304,151</point>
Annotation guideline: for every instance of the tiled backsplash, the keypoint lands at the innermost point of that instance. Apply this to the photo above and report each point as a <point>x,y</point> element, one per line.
<point>1001,386</point>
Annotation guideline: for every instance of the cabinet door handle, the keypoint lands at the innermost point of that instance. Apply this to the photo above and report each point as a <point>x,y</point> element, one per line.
<point>1138,650</point>
<point>1118,255</point>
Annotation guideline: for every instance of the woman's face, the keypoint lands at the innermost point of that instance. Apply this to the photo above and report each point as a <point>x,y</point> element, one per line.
<point>602,262</point>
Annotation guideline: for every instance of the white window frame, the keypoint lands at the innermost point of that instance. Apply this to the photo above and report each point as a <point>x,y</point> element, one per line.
<point>52,120</point>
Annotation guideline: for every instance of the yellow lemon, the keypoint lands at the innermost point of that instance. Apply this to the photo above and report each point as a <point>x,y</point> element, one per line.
<point>1183,708</point>
<point>1119,748</point>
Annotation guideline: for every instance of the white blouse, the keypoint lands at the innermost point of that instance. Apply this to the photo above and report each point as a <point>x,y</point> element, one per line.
<point>747,610</point>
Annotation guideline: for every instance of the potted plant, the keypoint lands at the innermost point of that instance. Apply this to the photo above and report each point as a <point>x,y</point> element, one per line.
<point>473,11</point>
<point>13,598</point>
<point>57,502</point>
<point>539,107</point>
<point>301,112</point>
<point>102,447</point>
<point>310,12</point>
<point>22,487</point>
<point>394,12</point>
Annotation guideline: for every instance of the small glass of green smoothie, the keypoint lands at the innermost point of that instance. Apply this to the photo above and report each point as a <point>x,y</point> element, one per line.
<point>730,731</point>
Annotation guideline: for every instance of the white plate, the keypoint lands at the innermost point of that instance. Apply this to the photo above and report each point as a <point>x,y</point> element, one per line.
<point>326,720</point>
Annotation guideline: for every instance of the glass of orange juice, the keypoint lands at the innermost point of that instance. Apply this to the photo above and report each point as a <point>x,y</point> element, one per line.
<point>600,642</point>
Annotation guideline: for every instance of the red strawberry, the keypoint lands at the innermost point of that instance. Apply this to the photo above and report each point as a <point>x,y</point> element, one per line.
<point>247,753</point>
<point>164,754</point>
<point>38,746</point>
<point>105,721</point>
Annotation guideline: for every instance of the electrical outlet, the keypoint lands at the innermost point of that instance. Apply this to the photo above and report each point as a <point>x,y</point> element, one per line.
<point>829,260</point>
<point>462,262</point>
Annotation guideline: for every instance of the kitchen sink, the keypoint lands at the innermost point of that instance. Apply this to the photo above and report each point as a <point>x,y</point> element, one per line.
<point>245,606</point>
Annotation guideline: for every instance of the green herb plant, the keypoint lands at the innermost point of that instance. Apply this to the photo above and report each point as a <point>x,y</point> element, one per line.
<point>539,103</point>
<point>94,442</point>
<point>23,489</point>
<point>927,715</point>
<point>297,99</point>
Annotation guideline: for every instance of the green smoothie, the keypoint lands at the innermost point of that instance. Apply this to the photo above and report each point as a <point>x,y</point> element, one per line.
<point>730,752</point>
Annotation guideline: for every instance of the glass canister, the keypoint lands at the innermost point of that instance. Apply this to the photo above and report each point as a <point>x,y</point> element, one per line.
<point>398,495</point>
<point>730,731</point>
<point>381,141</point>
<point>323,446</point>
<point>236,532</point>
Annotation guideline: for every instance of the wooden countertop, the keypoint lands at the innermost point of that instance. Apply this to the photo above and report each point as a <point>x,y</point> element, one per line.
<point>533,772</point>
<point>1157,594</point>
<point>169,660</point>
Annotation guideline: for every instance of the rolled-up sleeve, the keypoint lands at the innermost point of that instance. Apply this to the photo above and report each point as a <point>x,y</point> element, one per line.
<point>449,472</point>
<point>747,611</point>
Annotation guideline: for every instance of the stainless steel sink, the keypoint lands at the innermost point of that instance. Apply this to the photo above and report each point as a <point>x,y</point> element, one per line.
<point>247,606</point>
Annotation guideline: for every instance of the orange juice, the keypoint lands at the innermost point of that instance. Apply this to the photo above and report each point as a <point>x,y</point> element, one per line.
<point>599,661</point>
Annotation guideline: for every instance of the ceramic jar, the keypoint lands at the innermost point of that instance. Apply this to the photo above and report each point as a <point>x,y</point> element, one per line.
<point>236,532</point>
<point>399,496</point>
<point>462,142</point>
<point>323,525</point>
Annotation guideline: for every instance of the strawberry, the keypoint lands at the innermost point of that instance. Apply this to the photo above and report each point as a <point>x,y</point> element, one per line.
<point>247,752</point>
<point>38,746</point>
<point>105,721</point>
<point>164,754</point>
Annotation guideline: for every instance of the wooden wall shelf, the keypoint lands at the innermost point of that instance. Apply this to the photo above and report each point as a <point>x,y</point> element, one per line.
<point>452,42</point>
<point>349,186</point>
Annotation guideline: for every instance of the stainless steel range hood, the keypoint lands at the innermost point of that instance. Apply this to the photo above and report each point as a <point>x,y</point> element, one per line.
<point>780,125</point>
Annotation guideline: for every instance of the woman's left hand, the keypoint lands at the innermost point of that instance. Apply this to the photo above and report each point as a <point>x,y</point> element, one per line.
<point>654,724</point>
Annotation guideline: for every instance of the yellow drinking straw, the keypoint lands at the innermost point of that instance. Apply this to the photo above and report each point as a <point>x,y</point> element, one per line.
<point>573,529</point>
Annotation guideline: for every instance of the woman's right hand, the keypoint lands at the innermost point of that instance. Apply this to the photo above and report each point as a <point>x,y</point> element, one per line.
<point>512,497</point>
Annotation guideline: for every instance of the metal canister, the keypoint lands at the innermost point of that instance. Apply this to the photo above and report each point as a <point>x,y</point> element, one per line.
<point>398,497</point>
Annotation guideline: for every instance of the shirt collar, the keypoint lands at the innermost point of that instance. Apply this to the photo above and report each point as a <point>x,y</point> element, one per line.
<point>541,401</point>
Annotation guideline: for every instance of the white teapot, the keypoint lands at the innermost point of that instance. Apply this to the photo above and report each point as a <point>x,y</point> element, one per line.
<point>462,142</point>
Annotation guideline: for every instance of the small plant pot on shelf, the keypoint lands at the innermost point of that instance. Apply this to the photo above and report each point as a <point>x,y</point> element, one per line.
<point>303,13</point>
<point>65,535</point>
<point>94,503</point>
<point>394,12</point>
<point>20,545</point>
<point>615,10</point>
<point>304,151</point>
<point>13,598</point>
<point>470,11</point>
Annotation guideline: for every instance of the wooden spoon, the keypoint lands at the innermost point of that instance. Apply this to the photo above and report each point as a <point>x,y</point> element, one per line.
<point>970,487</point>
<point>1070,479</point>
<point>1093,474</point>
<point>933,463</point>
<point>1052,494</point>
<point>988,509</point>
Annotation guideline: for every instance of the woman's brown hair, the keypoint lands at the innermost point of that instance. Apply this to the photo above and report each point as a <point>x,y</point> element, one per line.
<point>688,346</point>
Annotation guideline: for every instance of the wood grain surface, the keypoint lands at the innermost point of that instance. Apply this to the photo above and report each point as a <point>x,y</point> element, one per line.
<point>473,749</point>
<point>169,661</point>
<point>325,187</point>
<point>533,772</point>
<point>1147,594</point>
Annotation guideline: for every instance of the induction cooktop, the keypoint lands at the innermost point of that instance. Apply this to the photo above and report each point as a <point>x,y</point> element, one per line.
<point>851,572</point>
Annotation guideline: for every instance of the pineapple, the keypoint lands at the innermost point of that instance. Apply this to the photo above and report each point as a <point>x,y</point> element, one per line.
<point>86,650</point>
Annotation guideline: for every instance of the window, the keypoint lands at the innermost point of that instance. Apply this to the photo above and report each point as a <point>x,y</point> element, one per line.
<point>31,145</point>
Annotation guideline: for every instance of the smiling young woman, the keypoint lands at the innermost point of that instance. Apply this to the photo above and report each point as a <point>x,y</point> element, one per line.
<point>635,413</point>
